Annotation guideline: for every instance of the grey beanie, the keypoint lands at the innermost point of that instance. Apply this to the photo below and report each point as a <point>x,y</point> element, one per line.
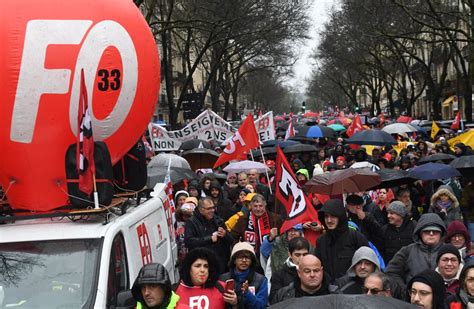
<point>398,208</point>
<point>363,253</point>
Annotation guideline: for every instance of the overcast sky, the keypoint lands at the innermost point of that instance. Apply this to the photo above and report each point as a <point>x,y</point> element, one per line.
<point>302,69</point>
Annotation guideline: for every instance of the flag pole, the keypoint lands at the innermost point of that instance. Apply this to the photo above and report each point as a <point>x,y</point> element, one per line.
<point>266,170</point>
<point>96,194</point>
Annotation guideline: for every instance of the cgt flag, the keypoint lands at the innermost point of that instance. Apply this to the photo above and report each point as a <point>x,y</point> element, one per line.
<point>289,193</point>
<point>245,139</point>
<point>85,142</point>
<point>355,126</point>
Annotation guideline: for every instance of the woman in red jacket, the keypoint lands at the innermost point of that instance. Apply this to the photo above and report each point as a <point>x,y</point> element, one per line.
<point>199,287</point>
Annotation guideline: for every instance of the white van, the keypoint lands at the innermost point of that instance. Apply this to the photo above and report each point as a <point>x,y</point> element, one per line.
<point>57,263</point>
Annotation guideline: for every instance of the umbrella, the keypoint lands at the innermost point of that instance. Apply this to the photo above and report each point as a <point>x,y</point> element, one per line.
<point>245,166</point>
<point>343,181</point>
<point>314,131</point>
<point>343,301</point>
<point>310,114</point>
<point>300,148</point>
<point>399,128</point>
<point>372,137</point>
<point>404,119</point>
<point>392,178</point>
<point>431,171</point>
<point>200,158</point>
<point>267,151</point>
<point>157,174</point>
<point>337,127</point>
<point>275,142</point>
<point>465,165</point>
<point>365,164</point>
<point>163,159</point>
<point>446,158</point>
<point>194,143</point>
<point>341,120</point>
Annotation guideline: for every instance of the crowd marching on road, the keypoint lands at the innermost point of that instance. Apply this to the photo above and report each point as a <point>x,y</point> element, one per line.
<point>310,223</point>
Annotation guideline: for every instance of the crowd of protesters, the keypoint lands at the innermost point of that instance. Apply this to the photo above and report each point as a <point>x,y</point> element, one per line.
<point>410,242</point>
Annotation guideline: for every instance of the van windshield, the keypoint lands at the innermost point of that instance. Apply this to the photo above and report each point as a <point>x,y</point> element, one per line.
<point>49,274</point>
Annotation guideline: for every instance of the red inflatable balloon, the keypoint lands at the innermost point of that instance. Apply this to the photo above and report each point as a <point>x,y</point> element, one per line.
<point>45,44</point>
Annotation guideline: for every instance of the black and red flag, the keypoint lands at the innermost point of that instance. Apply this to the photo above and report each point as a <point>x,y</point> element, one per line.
<point>85,142</point>
<point>289,193</point>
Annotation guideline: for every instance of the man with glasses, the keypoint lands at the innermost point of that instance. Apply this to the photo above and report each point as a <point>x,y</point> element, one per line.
<point>311,281</point>
<point>206,229</point>
<point>251,287</point>
<point>449,267</point>
<point>427,290</point>
<point>377,283</point>
<point>422,253</point>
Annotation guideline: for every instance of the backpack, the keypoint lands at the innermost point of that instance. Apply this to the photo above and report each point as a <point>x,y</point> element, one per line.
<point>130,172</point>
<point>104,177</point>
<point>354,226</point>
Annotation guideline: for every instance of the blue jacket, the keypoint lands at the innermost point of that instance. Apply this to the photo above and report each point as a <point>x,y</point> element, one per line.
<point>257,281</point>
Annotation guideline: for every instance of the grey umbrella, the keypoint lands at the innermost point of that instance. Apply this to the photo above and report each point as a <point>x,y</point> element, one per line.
<point>163,159</point>
<point>342,301</point>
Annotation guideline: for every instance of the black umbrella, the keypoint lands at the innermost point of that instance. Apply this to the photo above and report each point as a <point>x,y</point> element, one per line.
<point>372,137</point>
<point>392,178</point>
<point>465,165</point>
<point>283,144</point>
<point>432,171</point>
<point>343,301</point>
<point>300,148</point>
<point>444,157</point>
<point>194,143</point>
<point>266,151</point>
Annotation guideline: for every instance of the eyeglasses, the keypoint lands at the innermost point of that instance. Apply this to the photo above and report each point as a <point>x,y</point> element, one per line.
<point>244,257</point>
<point>431,232</point>
<point>209,208</point>
<point>421,293</point>
<point>447,260</point>
<point>374,291</point>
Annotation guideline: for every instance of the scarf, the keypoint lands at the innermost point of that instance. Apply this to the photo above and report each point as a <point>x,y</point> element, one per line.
<point>255,231</point>
<point>443,205</point>
<point>466,298</point>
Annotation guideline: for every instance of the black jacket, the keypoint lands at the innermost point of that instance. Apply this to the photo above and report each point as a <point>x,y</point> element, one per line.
<point>396,237</point>
<point>294,290</point>
<point>282,278</point>
<point>369,227</point>
<point>198,233</point>
<point>350,285</point>
<point>335,248</point>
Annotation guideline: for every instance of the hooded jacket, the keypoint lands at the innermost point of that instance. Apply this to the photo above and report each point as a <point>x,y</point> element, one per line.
<point>224,207</point>
<point>154,274</point>
<point>335,248</point>
<point>453,212</point>
<point>457,227</point>
<point>394,238</point>
<point>436,282</point>
<point>412,259</point>
<point>283,277</point>
<point>351,283</point>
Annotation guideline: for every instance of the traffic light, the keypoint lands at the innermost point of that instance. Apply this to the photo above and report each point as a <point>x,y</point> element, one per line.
<point>357,108</point>
<point>303,106</point>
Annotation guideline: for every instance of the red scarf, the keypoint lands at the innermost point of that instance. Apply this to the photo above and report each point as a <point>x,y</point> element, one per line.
<point>254,234</point>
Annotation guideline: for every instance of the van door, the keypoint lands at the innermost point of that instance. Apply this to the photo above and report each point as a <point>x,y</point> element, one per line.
<point>118,275</point>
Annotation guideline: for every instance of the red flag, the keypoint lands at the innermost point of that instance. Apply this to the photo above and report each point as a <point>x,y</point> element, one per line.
<point>288,192</point>
<point>355,126</point>
<point>85,142</point>
<point>457,122</point>
<point>260,114</point>
<point>290,132</point>
<point>246,138</point>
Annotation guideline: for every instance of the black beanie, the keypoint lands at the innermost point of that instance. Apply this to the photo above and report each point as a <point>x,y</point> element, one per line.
<point>335,208</point>
<point>448,248</point>
<point>436,282</point>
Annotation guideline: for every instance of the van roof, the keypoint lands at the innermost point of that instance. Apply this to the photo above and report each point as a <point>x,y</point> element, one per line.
<point>63,228</point>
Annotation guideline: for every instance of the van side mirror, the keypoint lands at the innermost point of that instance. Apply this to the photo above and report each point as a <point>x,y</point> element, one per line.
<point>125,300</point>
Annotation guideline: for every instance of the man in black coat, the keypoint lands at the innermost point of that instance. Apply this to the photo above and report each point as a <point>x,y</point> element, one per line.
<point>365,220</point>
<point>312,281</point>
<point>224,207</point>
<point>206,229</point>
<point>337,245</point>
<point>427,290</point>
<point>398,232</point>
<point>297,248</point>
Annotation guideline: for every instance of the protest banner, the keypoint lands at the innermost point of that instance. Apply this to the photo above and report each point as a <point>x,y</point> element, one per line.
<point>265,127</point>
<point>207,126</point>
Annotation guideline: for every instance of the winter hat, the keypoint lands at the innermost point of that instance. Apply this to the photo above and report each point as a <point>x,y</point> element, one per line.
<point>245,190</point>
<point>242,246</point>
<point>363,253</point>
<point>335,208</point>
<point>341,158</point>
<point>431,228</point>
<point>448,248</point>
<point>457,227</point>
<point>231,175</point>
<point>354,199</point>
<point>180,193</point>
<point>398,208</point>
<point>192,200</point>
<point>317,170</point>
<point>304,172</point>
<point>215,185</point>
